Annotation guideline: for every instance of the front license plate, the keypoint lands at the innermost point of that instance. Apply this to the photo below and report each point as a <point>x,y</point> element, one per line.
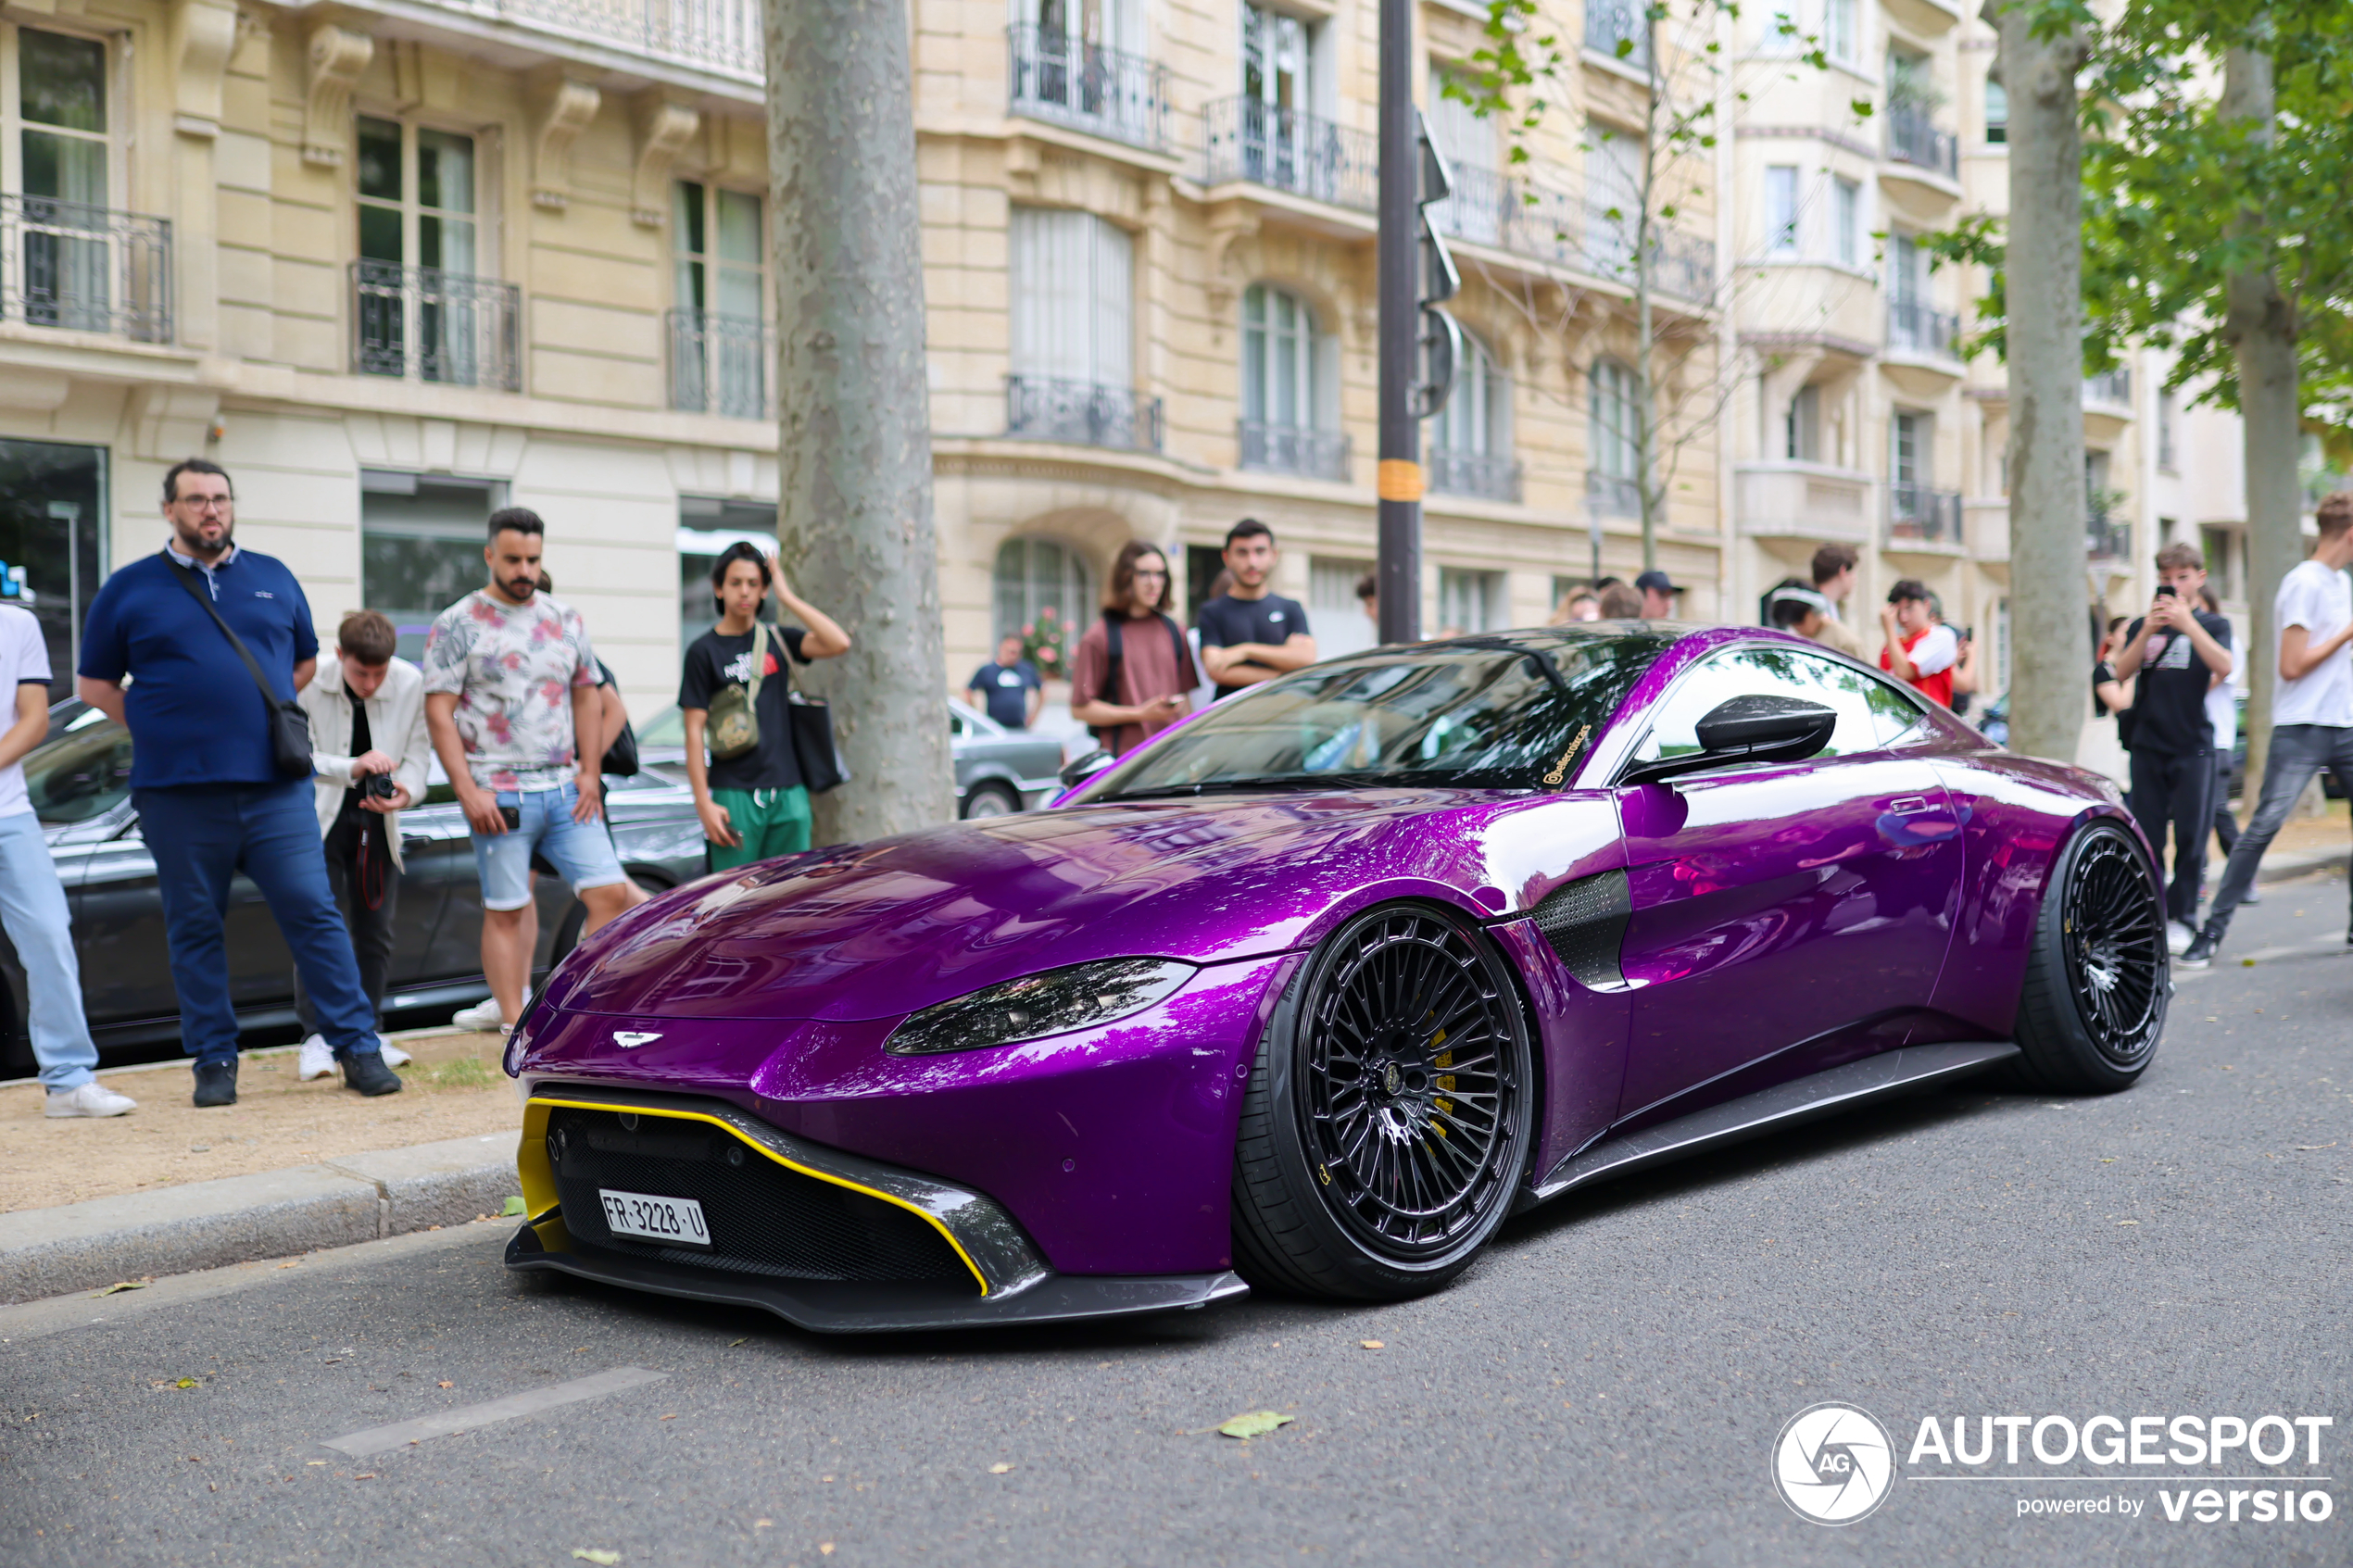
<point>677,1220</point>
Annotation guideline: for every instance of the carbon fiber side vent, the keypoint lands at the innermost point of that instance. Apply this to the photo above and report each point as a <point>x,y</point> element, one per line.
<point>1584,922</point>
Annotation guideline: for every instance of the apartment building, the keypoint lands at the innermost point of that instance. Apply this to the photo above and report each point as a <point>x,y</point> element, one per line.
<point>1862,422</point>
<point>397,262</point>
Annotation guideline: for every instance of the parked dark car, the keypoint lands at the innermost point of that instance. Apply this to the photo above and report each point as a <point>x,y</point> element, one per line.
<point>80,784</point>
<point>999,771</point>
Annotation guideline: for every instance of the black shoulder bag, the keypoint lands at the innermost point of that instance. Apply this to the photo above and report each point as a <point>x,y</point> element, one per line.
<point>289,725</point>
<point>1115,656</point>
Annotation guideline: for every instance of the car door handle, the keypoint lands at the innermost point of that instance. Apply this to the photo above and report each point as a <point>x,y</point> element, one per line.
<point>1909,805</point>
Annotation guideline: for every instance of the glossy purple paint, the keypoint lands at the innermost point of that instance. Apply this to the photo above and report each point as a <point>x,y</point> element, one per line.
<point>1786,919</point>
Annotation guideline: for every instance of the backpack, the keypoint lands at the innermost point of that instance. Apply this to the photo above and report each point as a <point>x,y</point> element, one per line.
<point>1113,624</point>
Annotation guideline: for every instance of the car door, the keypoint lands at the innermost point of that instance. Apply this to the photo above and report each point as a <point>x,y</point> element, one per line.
<point>1775,905</point>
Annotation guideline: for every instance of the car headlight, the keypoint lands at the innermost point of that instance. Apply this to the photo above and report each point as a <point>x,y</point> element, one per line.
<point>1037,1005</point>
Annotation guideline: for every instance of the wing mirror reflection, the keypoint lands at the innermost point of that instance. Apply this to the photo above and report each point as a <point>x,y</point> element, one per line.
<point>1079,770</point>
<point>1757,728</point>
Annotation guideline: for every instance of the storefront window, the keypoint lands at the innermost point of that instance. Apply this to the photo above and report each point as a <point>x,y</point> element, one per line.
<point>52,520</point>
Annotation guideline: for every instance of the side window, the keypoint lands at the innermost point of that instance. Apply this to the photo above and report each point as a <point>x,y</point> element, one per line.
<point>1863,722</point>
<point>1893,710</point>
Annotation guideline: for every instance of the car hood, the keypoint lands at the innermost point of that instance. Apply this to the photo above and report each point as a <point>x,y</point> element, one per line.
<point>873,931</point>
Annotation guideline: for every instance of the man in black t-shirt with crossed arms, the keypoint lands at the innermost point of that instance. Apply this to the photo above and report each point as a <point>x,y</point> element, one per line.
<point>1249,633</point>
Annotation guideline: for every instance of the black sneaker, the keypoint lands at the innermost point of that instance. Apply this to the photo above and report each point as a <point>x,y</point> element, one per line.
<point>369,1076</point>
<point>2200,953</point>
<point>216,1084</point>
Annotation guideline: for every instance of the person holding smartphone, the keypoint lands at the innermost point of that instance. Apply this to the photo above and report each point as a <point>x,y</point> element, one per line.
<point>1129,689</point>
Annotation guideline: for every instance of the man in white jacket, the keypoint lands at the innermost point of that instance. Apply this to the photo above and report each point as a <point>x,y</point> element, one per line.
<point>369,747</point>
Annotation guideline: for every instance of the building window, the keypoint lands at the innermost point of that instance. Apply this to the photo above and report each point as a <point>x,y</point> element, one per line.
<point>53,525</point>
<point>419,304</point>
<point>1333,608</point>
<point>1277,59</point>
<point>56,147</point>
<point>718,342</point>
<point>1848,215</point>
<point>421,538</point>
<point>1998,111</point>
<point>1471,436</point>
<point>2222,561</point>
<point>1781,209</point>
<point>1042,585</point>
<point>1074,333</point>
<point>1469,601</point>
<point>706,527</point>
<point>1615,439</point>
<point>1839,40</point>
<point>1290,389</point>
<point>2165,411</point>
<point>1911,454</point>
<point>1802,426</point>
<point>416,196</point>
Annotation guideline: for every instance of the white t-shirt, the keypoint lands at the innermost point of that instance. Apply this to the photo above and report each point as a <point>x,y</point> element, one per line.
<point>24,660</point>
<point>2321,601</point>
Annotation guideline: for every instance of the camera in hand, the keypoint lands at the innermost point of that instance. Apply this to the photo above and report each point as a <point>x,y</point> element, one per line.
<point>378,786</point>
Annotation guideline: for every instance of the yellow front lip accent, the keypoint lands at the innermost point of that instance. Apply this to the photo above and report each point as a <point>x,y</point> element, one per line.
<point>539,1180</point>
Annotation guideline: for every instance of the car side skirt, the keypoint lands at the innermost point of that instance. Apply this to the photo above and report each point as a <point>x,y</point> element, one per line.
<point>1768,1110</point>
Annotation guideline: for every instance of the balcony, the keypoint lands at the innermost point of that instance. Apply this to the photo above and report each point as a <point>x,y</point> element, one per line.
<point>2106,537</point>
<point>721,365</point>
<point>1103,91</point>
<point>1287,150</point>
<point>721,35</point>
<point>1609,494</point>
<point>1793,499</point>
<point>1083,412</point>
<point>1610,24</point>
<point>436,326</point>
<point>1913,327</point>
<point>1493,209</point>
<point>1274,448</point>
<point>86,269</point>
<point>1918,515</point>
<point>2111,388</point>
<point>1912,139</point>
<point>1474,473</point>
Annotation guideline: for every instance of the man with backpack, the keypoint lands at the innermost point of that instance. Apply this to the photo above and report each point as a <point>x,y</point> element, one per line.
<point>216,642</point>
<point>1132,673</point>
<point>734,696</point>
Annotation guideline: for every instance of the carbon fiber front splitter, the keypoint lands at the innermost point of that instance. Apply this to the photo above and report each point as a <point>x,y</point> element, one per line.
<point>837,1307</point>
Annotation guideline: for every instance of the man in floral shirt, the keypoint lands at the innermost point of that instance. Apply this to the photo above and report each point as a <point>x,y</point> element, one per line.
<point>511,699</point>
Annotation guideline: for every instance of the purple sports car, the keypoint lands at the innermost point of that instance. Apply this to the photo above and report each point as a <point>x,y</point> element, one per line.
<point>1317,988</point>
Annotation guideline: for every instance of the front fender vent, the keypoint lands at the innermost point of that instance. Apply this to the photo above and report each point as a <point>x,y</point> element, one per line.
<point>1584,922</point>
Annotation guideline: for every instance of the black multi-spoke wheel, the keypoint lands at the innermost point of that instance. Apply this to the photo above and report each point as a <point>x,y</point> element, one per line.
<point>2097,979</point>
<point>1386,1125</point>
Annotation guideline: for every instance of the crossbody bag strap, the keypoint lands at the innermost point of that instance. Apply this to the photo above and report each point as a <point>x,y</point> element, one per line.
<point>1184,651</point>
<point>188,581</point>
<point>758,665</point>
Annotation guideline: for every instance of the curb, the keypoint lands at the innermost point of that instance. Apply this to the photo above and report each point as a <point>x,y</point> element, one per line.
<point>2282,868</point>
<point>77,1247</point>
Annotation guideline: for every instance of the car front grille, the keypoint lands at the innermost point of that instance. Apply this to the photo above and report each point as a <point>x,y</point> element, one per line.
<point>765,1218</point>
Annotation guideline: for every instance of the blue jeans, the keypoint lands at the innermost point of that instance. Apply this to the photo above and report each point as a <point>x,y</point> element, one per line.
<point>33,911</point>
<point>201,835</point>
<point>581,852</point>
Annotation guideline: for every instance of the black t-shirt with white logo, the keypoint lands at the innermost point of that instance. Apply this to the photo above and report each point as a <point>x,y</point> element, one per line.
<point>1227,621</point>
<point>714,662</point>
<point>2168,700</point>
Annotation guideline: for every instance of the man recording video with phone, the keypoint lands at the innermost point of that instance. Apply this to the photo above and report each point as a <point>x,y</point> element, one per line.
<point>369,747</point>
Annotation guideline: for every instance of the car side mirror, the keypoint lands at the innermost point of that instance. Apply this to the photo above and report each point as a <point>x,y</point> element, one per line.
<point>1747,729</point>
<point>1079,771</point>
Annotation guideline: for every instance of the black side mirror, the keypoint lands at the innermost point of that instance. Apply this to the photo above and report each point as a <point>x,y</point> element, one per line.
<point>1079,770</point>
<point>1747,729</point>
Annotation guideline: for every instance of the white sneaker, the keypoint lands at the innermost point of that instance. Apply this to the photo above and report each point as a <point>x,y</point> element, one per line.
<point>92,1098</point>
<point>2178,937</point>
<point>316,1061</point>
<point>394,1056</point>
<point>484,1014</point>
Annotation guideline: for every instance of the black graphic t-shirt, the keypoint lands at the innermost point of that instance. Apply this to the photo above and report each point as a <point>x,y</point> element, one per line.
<point>1227,621</point>
<point>715,662</point>
<point>2168,700</point>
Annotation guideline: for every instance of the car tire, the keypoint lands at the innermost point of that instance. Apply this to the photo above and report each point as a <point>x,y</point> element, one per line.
<point>576,917</point>
<point>991,800</point>
<point>1315,1214</point>
<point>2098,977</point>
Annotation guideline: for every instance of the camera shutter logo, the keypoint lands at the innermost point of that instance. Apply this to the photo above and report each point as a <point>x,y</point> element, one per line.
<point>1833,1463</point>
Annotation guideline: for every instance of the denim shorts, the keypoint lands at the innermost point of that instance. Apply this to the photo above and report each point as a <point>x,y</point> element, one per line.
<point>581,852</point>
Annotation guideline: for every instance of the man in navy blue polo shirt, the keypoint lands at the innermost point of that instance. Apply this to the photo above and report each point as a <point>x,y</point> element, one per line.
<point>210,797</point>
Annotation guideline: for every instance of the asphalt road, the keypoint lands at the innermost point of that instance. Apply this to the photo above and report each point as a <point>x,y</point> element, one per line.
<point>1607,1387</point>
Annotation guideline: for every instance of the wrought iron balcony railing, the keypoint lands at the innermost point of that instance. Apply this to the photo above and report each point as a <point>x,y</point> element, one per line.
<point>1317,453</point>
<point>2113,387</point>
<point>1609,24</point>
<point>1914,328</point>
<point>436,326</point>
<point>1053,408</point>
<point>715,35</point>
<point>1912,139</point>
<point>86,269</point>
<point>1529,219</point>
<point>1474,473</point>
<point>721,365</point>
<point>1291,151</point>
<point>2106,537</point>
<point>1107,92</point>
<point>1916,512</point>
<point>1610,495</point>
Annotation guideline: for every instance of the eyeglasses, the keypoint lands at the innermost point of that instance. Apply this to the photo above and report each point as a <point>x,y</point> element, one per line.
<point>207,503</point>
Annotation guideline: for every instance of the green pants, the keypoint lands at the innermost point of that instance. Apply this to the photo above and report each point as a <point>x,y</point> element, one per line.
<point>770,822</point>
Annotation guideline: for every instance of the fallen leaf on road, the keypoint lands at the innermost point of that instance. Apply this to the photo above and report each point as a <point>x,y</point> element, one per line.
<point>2128,1221</point>
<point>2315,1148</point>
<point>1000,1470</point>
<point>1372,1344</point>
<point>733,1342</point>
<point>762,1523</point>
<point>591,1554</point>
<point>185,1383</point>
<point>296,1264</point>
<point>824,1549</point>
<point>673,1416</point>
<point>118,1285</point>
<point>1254,1424</point>
<point>514,1207</point>
<point>316,1462</point>
<point>447,1384</point>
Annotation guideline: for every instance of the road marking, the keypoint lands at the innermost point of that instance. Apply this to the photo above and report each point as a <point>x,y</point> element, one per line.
<point>443,1424</point>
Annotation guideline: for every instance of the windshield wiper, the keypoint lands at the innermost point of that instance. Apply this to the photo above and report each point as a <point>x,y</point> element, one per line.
<point>1538,656</point>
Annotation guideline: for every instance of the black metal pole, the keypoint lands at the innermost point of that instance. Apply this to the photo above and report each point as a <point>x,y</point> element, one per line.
<point>1400,473</point>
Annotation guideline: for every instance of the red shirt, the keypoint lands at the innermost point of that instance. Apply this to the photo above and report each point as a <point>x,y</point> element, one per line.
<point>1938,686</point>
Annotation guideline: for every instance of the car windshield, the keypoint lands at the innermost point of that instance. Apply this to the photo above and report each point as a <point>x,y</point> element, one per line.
<point>1477,714</point>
